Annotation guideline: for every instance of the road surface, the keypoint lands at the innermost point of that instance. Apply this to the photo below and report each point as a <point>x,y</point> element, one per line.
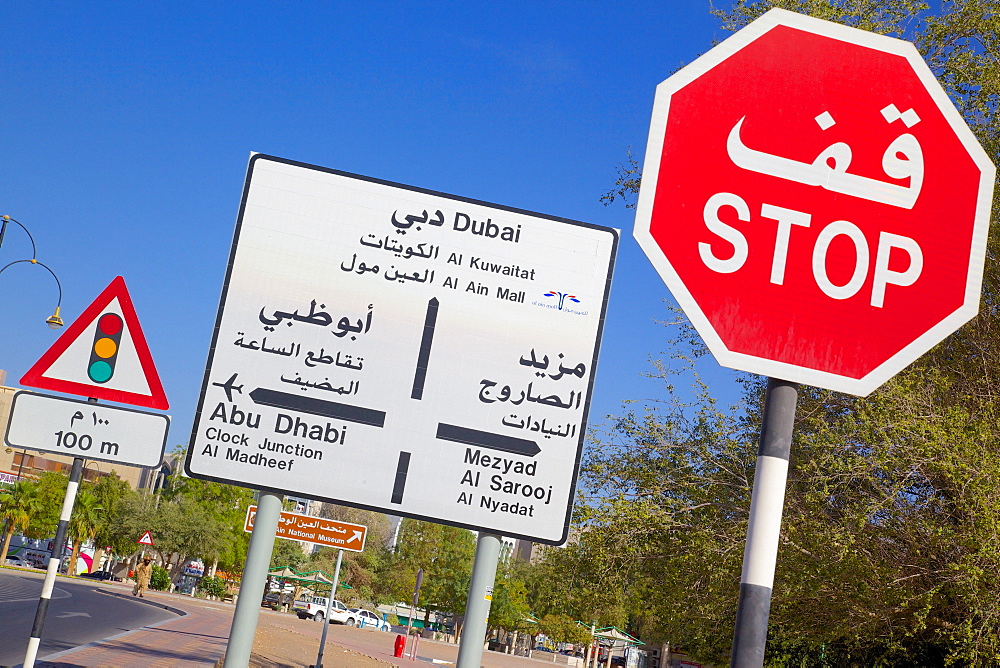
<point>78,614</point>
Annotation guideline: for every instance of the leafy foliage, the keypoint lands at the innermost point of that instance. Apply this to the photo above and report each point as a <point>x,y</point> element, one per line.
<point>510,609</point>
<point>159,579</point>
<point>18,503</point>
<point>83,523</point>
<point>445,554</point>
<point>367,571</point>
<point>212,586</point>
<point>288,553</point>
<point>51,492</point>
<point>560,628</point>
<point>889,552</point>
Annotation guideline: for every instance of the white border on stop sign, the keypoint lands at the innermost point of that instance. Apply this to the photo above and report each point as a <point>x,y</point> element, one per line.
<point>650,172</point>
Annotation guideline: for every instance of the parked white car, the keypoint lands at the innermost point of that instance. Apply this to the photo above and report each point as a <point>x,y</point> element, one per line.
<point>19,562</point>
<point>368,619</point>
<point>315,608</point>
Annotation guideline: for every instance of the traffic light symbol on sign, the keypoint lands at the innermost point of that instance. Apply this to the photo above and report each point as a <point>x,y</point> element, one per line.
<point>104,352</point>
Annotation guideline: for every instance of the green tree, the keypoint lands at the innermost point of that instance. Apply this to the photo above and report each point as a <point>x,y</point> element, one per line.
<point>368,571</point>
<point>17,505</point>
<point>288,553</point>
<point>445,554</point>
<point>83,523</point>
<point>186,530</point>
<point>223,509</point>
<point>888,548</point>
<point>51,493</point>
<point>509,609</point>
<point>665,494</point>
<point>131,516</point>
<point>560,629</point>
<point>582,581</point>
<point>110,491</point>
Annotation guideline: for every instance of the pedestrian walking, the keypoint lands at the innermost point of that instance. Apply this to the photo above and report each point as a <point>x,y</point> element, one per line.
<point>143,572</point>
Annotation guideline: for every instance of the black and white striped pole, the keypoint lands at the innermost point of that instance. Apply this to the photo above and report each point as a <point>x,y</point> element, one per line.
<point>764,529</point>
<point>54,561</point>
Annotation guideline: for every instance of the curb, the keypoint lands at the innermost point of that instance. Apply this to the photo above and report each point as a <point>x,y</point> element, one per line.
<point>169,608</point>
<point>50,658</point>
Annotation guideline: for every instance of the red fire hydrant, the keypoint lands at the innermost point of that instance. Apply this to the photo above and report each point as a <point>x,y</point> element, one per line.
<point>400,645</point>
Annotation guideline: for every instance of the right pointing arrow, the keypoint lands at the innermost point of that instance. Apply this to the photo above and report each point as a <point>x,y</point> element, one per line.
<point>357,536</point>
<point>487,439</point>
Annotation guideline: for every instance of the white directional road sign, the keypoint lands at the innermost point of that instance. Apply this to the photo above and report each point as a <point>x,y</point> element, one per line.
<point>403,350</point>
<point>84,429</point>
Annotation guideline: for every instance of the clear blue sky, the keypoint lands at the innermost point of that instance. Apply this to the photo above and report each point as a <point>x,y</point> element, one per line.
<point>126,130</point>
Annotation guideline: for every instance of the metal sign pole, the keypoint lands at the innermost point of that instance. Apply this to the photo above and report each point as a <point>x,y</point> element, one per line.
<point>764,529</point>
<point>477,609</point>
<point>58,547</point>
<point>254,576</point>
<point>413,607</point>
<point>329,605</point>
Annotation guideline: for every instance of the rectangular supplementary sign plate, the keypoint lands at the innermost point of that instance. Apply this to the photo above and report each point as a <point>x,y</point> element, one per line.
<point>403,350</point>
<point>83,429</point>
<point>316,530</point>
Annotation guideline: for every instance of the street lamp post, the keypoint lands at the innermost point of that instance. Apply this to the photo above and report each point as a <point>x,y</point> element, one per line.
<point>20,464</point>
<point>54,321</point>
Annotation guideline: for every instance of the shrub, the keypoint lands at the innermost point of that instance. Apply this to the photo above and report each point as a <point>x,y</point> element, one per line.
<point>160,579</point>
<point>214,587</point>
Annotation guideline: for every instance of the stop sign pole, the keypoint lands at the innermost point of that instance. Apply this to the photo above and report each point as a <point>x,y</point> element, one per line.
<point>819,209</point>
<point>764,527</point>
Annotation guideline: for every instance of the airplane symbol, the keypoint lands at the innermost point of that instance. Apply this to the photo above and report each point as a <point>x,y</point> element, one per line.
<point>228,387</point>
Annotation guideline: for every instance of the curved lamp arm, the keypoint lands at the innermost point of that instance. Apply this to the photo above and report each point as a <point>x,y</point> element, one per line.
<point>3,229</point>
<point>54,321</point>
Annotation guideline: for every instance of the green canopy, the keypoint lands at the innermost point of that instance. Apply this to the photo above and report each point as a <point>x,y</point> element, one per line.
<point>305,577</point>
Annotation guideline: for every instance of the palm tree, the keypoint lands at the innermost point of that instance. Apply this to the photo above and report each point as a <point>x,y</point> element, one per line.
<point>17,504</point>
<point>111,492</point>
<point>83,524</point>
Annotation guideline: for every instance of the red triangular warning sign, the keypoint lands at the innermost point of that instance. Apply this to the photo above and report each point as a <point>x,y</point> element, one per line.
<point>147,539</point>
<point>102,354</point>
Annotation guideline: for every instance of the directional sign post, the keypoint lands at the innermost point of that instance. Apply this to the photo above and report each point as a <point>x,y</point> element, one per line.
<point>403,350</point>
<point>85,429</point>
<point>101,355</point>
<point>318,531</point>
<point>820,210</point>
<point>315,530</point>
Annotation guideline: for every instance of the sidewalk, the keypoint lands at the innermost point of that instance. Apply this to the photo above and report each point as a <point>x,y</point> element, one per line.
<point>377,645</point>
<point>199,637</point>
<point>196,639</point>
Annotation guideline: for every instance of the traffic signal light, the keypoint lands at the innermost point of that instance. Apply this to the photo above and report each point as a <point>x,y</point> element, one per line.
<point>104,352</point>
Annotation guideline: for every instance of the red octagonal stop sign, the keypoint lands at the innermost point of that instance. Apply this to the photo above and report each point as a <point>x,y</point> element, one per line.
<point>815,203</point>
